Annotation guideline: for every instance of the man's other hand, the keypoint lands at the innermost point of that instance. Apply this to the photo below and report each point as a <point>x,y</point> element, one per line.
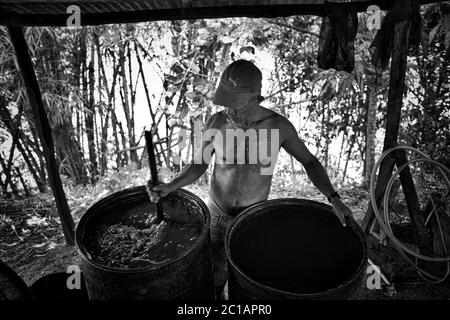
<point>341,211</point>
<point>158,192</point>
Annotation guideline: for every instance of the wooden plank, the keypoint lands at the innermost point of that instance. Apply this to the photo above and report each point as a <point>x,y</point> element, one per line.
<point>177,10</point>
<point>197,3</point>
<point>412,202</point>
<point>393,114</point>
<point>182,3</point>
<point>16,19</point>
<point>44,130</point>
<point>394,105</point>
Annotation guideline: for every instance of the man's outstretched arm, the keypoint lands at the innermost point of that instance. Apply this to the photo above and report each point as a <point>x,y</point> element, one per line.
<point>291,142</point>
<point>192,171</point>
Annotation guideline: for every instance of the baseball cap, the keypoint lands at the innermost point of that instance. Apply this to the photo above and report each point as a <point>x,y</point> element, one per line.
<point>239,82</point>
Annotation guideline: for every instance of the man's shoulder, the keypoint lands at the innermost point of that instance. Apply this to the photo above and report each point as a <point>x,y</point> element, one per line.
<point>276,119</point>
<point>283,124</point>
<point>216,120</point>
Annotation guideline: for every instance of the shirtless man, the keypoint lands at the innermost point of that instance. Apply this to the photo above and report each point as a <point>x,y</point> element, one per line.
<point>236,185</point>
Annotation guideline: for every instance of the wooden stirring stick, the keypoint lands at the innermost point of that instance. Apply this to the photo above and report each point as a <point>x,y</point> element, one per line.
<point>154,173</point>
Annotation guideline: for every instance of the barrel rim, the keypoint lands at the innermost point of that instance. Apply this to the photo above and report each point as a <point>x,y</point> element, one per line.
<point>245,213</point>
<point>79,232</point>
<point>9,278</point>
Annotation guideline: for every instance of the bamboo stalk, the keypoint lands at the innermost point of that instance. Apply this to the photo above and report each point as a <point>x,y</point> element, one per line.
<point>44,130</point>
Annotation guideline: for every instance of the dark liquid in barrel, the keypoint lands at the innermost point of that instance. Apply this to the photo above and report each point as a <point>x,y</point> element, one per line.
<point>125,236</point>
<point>135,245</point>
<point>299,250</point>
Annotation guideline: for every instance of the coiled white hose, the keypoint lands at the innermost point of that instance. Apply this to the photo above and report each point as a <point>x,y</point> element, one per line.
<point>385,223</point>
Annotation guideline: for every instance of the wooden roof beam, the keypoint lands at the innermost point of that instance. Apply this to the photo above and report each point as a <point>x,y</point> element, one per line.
<point>254,11</point>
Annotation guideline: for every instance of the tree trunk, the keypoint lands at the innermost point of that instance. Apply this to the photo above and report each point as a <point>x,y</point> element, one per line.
<point>11,126</point>
<point>349,153</point>
<point>125,160</point>
<point>66,145</point>
<point>370,132</point>
<point>154,127</point>
<point>116,139</point>
<point>22,181</point>
<point>4,187</point>
<point>327,136</point>
<point>8,177</point>
<point>125,95</point>
<point>338,168</point>
<point>88,88</point>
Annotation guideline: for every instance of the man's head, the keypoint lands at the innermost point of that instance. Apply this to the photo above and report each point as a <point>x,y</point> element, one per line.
<point>240,84</point>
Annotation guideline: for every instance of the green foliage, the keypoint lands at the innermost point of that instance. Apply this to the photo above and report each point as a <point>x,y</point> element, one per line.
<point>426,124</point>
<point>328,108</point>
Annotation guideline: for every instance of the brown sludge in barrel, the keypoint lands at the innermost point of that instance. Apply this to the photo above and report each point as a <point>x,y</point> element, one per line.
<point>128,246</point>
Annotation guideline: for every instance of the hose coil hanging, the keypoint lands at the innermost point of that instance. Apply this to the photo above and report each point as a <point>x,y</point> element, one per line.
<point>385,225</point>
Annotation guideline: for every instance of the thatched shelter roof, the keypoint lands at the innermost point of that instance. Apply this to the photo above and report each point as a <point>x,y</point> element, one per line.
<point>94,12</point>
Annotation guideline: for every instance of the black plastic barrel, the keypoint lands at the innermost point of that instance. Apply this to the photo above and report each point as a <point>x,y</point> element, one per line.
<point>187,276</point>
<point>53,286</point>
<point>12,286</point>
<point>294,249</point>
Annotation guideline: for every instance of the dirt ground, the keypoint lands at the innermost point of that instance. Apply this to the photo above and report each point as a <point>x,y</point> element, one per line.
<point>33,245</point>
<point>406,283</point>
<point>32,240</point>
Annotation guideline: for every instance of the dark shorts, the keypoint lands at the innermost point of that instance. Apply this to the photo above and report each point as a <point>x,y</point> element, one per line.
<point>220,221</point>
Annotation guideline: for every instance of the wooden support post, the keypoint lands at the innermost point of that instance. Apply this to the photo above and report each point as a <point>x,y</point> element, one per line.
<point>394,106</point>
<point>44,130</point>
<point>395,100</point>
<point>412,202</point>
<point>384,174</point>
